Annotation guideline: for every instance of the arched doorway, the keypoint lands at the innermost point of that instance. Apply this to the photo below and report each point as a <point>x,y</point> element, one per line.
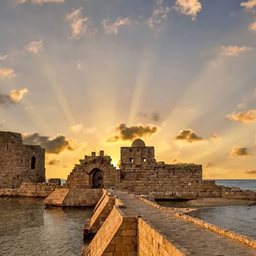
<point>97,178</point>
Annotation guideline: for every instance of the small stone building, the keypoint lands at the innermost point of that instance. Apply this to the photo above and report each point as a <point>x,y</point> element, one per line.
<point>139,173</point>
<point>19,162</point>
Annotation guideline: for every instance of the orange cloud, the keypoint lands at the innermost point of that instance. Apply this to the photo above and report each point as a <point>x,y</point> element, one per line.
<point>239,151</point>
<point>253,172</point>
<point>249,4</point>
<point>252,26</point>
<point>188,135</point>
<point>243,117</point>
<point>189,7</point>
<point>18,94</point>
<point>7,73</point>
<point>233,50</point>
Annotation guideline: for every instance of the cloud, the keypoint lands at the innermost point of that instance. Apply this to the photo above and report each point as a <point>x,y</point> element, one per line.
<point>233,50</point>
<point>18,94</point>
<point>79,24</point>
<point>188,135</point>
<point>113,27</point>
<point>159,15</point>
<point>154,116</point>
<point>249,4</point>
<point>40,1</point>
<point>251,172</point>
<point>239,151</point>
<point>7,73</point>
<point>76,127</point>
<point>243,117</point>
<point>53,162</point>
<point>13,97</point>
<point>52,145</point>
<point>252,26</point>
<point>3,57</point>
<point>132,132</point>
<point>189,7</point>
<point>35,46</point>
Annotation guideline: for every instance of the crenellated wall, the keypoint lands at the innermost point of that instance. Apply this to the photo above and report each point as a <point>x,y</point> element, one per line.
<point>19,162</point>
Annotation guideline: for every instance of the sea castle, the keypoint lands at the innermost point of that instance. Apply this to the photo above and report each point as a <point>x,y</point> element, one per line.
<point>126,220</point>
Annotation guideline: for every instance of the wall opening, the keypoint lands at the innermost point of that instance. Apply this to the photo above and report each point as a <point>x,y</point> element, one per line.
<point>97,178</point>
<point>33,163</point>
<point>131,160</point>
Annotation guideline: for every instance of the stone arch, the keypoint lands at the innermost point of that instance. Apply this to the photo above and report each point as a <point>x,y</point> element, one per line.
<point>97,178</point>
<point>33,163</point>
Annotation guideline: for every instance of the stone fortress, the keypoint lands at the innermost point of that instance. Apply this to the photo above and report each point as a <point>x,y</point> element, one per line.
<point>22,173</point>
<point>139,173</point>
<point>126,220</point>
<point>19,162</point>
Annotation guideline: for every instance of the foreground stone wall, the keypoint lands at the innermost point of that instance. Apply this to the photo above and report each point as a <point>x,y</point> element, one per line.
<point>124,231</point>
<point>151,242</point>
<point>19,162</point>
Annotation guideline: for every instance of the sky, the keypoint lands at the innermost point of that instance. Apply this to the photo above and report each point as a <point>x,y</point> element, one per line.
<point>83,75</point>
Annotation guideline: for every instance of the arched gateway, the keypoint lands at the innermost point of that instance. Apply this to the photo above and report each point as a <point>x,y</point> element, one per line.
<point>97,178</point>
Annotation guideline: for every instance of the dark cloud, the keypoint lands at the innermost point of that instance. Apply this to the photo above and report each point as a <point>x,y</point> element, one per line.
<point>54,146</point>
<point>5,100</point>
<point>251,172</point>
<point>239,151</point>
<point>53,162</point>
<point>188,135</point>
<point>133,132</point>
<point>154,116</point>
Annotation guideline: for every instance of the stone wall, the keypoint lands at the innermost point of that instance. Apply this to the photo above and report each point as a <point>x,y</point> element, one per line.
<point>161,180</point>
<point>152,242</point>
<point>29,189</point>
<point>19,162</point>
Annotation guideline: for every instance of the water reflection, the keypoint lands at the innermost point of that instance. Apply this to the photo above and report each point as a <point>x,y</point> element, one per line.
<point>27,228</point>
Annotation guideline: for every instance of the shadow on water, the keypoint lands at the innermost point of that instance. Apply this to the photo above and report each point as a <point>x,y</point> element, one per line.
<point>27,228</point>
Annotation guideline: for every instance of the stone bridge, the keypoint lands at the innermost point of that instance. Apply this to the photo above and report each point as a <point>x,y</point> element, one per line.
<point>129,225</point>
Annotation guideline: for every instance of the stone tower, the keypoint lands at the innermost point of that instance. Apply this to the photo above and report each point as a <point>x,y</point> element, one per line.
<point>136,158</point>
<point>19,162</point>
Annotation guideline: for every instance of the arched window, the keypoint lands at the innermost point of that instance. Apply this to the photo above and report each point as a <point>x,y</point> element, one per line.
<point>33,163</point>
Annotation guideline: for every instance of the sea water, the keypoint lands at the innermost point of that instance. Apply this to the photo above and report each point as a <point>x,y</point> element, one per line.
<point>28,228</point>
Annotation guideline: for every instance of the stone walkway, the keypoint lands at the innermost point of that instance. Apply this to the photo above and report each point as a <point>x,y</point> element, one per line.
<point>198,241</point>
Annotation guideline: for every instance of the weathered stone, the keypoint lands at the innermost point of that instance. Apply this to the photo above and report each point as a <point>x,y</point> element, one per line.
<point>19,162</point>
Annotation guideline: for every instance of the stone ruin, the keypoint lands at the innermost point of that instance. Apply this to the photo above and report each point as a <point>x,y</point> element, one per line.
<point>19,162</point>
<point>139,173</point>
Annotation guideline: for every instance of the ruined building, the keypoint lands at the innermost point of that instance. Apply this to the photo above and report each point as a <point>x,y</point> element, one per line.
<point>19,162</point>
<point>139,173</point>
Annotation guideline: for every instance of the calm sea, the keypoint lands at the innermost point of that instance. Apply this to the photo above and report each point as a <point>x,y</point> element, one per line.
<point>244,184</point>
<point>29,229</point>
